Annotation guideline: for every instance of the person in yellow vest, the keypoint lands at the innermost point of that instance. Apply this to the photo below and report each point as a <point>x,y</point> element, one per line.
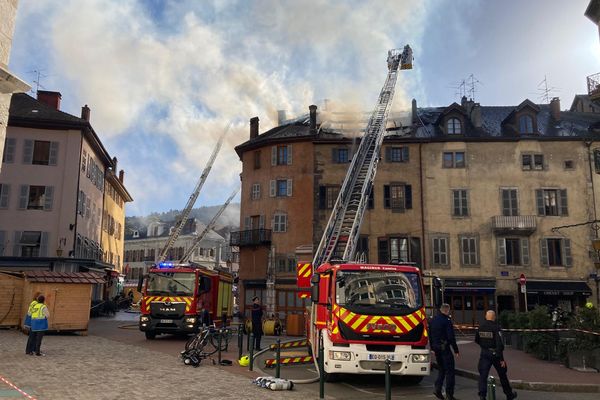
<point>30,341</point>
<point>39,323</point>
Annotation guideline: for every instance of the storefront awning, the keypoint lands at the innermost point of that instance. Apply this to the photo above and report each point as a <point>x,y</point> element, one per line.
<point>558,288</point>
<point>461,285</point>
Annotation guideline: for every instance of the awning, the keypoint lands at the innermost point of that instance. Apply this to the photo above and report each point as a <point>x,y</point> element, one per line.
<point>471,285</point>
<point>558,288</point>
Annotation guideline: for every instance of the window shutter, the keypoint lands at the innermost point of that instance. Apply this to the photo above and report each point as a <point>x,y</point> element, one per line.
<point>272,185</point>
<point>334,156</point>
<point>415,250</point>
<point>289,187</point>
<point>9,150</point>
<point>2,234</point>
<point>48,197</point>
<point>88,207</point>
<point>382,250</point>
<point>544,252</point>
<point>515,202</point>
<point>53,159</point>
<point>408,196</point>
<point>28,152</point>
<point>16,245</point>
<point>247,223</point>
<point>505,201</point>
<point>501,244</point>
<point>23,197</point>
<point>539,199</point>
<point>44,244</point>
<point>274,155</point>
<point>388,154</point>
<point>405,154</point>
<point>525,251</point>
<point>564,209</point>
<point>443,251</point>
<point>261,222</point>
<point>386,196</point>
<point>568,260</point>
<point>463,247</point>
<point>4,195</point>
<point>289,154</point>
<point>273,222</point>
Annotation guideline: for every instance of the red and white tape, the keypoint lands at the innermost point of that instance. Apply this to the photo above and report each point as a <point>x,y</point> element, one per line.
<point>12,385</point>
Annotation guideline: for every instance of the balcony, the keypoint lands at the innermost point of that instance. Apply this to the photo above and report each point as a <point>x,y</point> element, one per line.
<point>593,84</point>
<point>253,237</point>
<point>519,224</point>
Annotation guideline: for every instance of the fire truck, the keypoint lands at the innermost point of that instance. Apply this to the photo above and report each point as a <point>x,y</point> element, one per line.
<point>177,297</point>
<point>364,314</point>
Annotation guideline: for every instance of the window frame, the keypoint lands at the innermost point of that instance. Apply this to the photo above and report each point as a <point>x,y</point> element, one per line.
<point>472,252</point>
<point>526,124</point>
<point>280,222</point>
<point>512,209</point>
<point>452,162</point>
<point>462,205</point>
<point>255,191</point>
<point>535,162</point>
<point>440,257</point>
<point>451,126</point>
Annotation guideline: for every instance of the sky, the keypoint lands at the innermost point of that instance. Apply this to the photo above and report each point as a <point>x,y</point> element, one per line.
<point>164,79</point>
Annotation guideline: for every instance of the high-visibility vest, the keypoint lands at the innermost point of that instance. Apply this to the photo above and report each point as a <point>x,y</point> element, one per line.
<point>39,322</point>
<point>27,322</point>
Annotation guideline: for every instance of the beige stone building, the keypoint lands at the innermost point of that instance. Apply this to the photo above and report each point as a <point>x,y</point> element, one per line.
<point>477,194</point>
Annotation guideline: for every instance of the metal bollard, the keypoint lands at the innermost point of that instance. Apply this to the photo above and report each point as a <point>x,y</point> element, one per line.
<point>248,342</point>
<point>277,357</point>
<point>240,343</point>
<point>321,371</point>
<point>491,388</point>
<point>219,341</point>
<point>251,348</point>
<point>388,380</point>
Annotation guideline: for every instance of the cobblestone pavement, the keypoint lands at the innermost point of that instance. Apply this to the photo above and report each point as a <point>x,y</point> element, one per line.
<point>92,367</point>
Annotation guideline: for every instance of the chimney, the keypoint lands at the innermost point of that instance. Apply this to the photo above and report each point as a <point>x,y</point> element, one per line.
<point>463,101</point>
<point>50,98</point>
<point>476,115</point>
<point>280,117</point>
<point>415,117</point>
<point>121,175</point>
<point>114,166</point>
<point>85,113</point>
<point>253,127</point>
<point>555,108</point>
<point>313,118</point>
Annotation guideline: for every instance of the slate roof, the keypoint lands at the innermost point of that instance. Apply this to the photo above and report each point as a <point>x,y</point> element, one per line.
<point>188,229</point>
<point>23,106</point>
<point>63,277</point>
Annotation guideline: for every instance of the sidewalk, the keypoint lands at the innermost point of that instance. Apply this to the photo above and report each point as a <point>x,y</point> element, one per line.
<point>529,373</point>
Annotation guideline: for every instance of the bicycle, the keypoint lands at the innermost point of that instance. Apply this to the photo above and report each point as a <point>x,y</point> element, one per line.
<point>196,348</point>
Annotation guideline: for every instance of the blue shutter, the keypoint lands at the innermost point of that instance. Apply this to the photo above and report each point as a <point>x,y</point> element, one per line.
<point>53,159</point>
<point>10,145</point>
<point>48,197</point>
<point>4,195</point>
<point>28,152</point>
<point>16,245</point>
<point>24,197</point>
<point>501,245</point>
<point>44,244</point>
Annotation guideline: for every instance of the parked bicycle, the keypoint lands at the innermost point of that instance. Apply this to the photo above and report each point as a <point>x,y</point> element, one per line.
<point>205,344</point>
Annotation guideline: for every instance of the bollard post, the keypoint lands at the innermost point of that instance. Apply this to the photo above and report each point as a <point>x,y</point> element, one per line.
<point>248,342</point>
<point>251,348</point>
<point>491,388</point>
<point>219,341</point>
<point>388,380</point>
<point>277,357</point>
<point>240,343</point>
<point>321,370</point>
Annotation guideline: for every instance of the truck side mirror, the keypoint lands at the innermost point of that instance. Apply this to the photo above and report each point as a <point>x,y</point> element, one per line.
<point>140,283</point>
<point>205,284</point>
<point>437,293</point>
<point>314,288</point>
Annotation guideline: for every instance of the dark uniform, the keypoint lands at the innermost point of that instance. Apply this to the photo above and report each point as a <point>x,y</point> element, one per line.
<point>489,338</point>
<point>257,331</point>
<point>441,334</point>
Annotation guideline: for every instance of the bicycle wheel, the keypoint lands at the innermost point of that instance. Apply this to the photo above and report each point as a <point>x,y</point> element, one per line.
<point>214,341</point>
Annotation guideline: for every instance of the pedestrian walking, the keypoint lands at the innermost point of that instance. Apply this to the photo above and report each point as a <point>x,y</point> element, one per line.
<point>489,338</point>
<point>257,314</point>
<point>441,334</point>
<point>29,349</point>
<point>39,323</point>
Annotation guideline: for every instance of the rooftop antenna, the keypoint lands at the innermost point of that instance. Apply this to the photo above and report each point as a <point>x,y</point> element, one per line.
<point>38,75</point>
<point>459,89</point>
<point>546,93</point>
<point>472,83</point>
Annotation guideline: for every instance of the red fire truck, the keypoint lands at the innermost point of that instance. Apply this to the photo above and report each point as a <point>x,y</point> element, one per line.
<point>175,295</point>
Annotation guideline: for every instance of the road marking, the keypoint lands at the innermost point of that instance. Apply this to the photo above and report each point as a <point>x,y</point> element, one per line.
<point>9,383</point>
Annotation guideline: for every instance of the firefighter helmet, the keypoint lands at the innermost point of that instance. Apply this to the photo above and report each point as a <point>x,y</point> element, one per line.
<point>244,361</point>
<point>589,305</point>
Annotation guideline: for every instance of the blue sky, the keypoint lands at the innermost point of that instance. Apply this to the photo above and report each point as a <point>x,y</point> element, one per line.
<point>164,78</point>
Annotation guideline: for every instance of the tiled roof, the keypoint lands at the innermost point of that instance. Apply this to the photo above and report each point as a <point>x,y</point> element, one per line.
<point>24,106</point>
<point>63,277</point>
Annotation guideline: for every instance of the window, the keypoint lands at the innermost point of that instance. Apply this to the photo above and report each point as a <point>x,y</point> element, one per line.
<point>362,249</point>
<point>469,253</point>
<point>510,206</point>
<point>4,195</point>
<point>569,164</point>
<point>552,202</point>
<point>281,155</point>
<point>597,160</point>
<point>556,252</point>
<point>81,202</point>
<point>257,159</point>
<point>36,197</point>
<point>40,152</point>
<point>280,222</point>
<point>255,191</point>
<point>398,197</point>
<point>525,124</point>
<point>31,244</point>
<point>327,196</point>
<point>513,251</point>
<point>454,159</point>
<point>396,154</point>
<point>281,188</point>
<point>340,156</point>
<point>533,162</point>
<point>439,246</point>
<point>460,205</point>
<point>399,249</point>
<point>83,161</point>
<point>10,145</point>
<point>454,126</point>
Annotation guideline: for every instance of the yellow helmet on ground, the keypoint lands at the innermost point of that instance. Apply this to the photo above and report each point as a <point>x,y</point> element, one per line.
<point>244,361</point>
<point>589,305</point>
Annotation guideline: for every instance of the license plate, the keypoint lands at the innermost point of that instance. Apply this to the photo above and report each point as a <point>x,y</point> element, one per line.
<point>166,321</point>
<point>381,357</point>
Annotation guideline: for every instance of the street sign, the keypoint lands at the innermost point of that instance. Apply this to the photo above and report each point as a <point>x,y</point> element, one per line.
<point>523,289</point>
<point>522,280</point>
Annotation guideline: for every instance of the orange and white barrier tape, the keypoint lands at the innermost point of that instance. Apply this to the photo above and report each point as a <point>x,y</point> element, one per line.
<point>12,385</point>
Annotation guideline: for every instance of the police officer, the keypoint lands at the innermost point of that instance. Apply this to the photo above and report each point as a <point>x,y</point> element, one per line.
<point>441,334</point>
<point>489,338</point>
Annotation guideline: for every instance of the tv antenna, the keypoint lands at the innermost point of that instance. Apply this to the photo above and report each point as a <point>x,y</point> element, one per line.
<point>38,76</point>
<point>460,89</point>
<point>472,83</point>
<point>545,91</point>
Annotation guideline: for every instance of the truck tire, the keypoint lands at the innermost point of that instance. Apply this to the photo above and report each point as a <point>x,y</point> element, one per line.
<point>412,379</point>
<point>150,335</point>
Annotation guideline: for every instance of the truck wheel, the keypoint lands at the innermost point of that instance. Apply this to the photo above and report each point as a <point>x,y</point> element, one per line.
<point>412,380</point>
<point>330,378</point>
<point>150,335</point>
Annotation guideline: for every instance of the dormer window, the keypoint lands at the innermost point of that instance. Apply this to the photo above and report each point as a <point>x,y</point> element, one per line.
<point>525,124</point>
<point>454,126</point>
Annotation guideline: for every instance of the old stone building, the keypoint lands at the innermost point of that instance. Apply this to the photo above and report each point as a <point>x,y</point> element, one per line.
<point>477,194</point>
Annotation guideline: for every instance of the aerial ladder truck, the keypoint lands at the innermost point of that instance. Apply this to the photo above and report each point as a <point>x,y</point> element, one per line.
<point>364,314</point>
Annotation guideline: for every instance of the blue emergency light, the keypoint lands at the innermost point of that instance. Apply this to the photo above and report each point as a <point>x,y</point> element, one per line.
<point>166,265</point>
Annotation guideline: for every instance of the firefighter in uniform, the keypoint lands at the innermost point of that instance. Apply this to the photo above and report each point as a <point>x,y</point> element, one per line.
<point>489,338</point>
<point>441,334</point>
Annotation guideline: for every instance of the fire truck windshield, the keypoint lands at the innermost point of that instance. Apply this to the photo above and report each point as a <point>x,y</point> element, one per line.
<point>171,284</point>
<point>378,289</point>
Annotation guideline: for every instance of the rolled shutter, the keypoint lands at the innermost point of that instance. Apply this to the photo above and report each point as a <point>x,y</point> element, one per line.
<point>16,244</point>
<point>4,195</point>
<point>408,196</point>
<point>544,252</point>
<point>44,244</point>
<point>24,197</point>
<point>405,154</point>
<point>564,209</point>
<point>53,158</point>
<point>289,188</point>
<point>525,251</point>
<point>274,155</point>
<point>48,197</point>
<point>272,188</point>
<point>539,199</point>
<point>289,154</point>
<point>568,259</point>
<point>501,244</point>
<point>28,152</point>
<point>9,150</point>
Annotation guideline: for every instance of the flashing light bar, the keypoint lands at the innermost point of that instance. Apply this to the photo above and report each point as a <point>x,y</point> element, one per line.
<point>166,265</point>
